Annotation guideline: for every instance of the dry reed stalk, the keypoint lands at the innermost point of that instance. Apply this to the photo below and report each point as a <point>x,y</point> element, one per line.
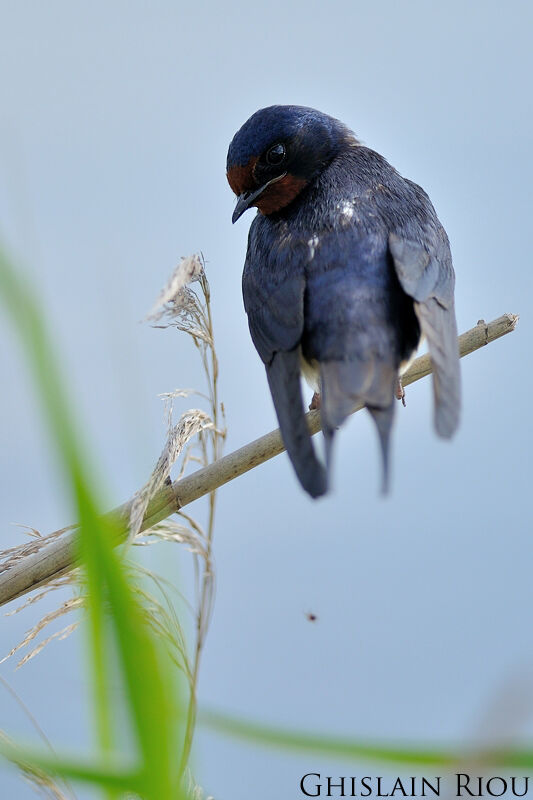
<point>197,437</point>
<point>57,557</point>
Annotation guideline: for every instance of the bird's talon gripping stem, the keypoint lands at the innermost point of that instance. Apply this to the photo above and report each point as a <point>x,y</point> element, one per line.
<point>315,402</point>
<point>400,392</point>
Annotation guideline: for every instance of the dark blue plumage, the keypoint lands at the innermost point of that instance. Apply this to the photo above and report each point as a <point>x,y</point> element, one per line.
<point>347,264</point>
<point>279,123</point>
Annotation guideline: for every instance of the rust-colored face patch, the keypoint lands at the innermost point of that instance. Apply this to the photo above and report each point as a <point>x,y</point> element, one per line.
<point>280,194</point>
<point>275,197</point>
<point>241,179</point>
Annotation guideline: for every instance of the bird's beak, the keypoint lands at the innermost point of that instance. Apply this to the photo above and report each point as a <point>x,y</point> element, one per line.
<point>246,199</point>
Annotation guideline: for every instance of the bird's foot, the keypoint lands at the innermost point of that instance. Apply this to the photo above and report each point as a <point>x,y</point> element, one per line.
<point>400,392</point>
<point>315,402</point>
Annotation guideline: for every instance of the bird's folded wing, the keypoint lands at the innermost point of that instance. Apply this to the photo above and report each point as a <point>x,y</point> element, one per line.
<point>273,299</point>
<point>427,276</point>
<point>274,304</point>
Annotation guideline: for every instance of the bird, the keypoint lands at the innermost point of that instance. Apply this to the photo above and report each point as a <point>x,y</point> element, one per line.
<point>347,269</point>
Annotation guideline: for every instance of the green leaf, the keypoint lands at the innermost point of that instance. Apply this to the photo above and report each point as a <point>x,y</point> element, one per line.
<point>115,615</point>
<point>353,749</point>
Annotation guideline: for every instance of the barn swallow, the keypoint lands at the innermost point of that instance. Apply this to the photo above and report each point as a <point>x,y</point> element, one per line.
<point>347,268</point>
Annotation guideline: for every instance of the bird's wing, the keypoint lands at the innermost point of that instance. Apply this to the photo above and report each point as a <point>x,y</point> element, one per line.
<point>273,298</point>
<point>426,274</point>
<point>274,304</point>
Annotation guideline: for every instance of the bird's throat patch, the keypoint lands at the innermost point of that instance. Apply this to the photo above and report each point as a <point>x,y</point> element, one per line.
<point>280,194</point>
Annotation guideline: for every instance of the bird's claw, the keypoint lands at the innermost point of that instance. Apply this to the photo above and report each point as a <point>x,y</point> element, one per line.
<point>315,402</point>
<point>400,392</point>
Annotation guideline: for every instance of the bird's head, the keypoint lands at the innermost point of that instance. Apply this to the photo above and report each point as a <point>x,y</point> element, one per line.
<point>278,152</point>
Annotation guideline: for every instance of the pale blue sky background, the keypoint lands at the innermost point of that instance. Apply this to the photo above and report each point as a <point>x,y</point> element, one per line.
<point>114,124</point>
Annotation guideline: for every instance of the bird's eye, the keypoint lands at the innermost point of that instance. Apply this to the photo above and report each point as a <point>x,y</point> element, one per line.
<point>276,154</point>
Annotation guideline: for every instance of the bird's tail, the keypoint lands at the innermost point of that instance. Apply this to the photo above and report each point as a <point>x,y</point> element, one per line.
<point>383,418</point>
<point>348,385</point>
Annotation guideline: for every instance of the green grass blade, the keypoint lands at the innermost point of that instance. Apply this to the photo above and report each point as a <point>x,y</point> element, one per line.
<point>153,699</point>
<point>349,749</point>
<point>22,306</point>
<point>112,776</point>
